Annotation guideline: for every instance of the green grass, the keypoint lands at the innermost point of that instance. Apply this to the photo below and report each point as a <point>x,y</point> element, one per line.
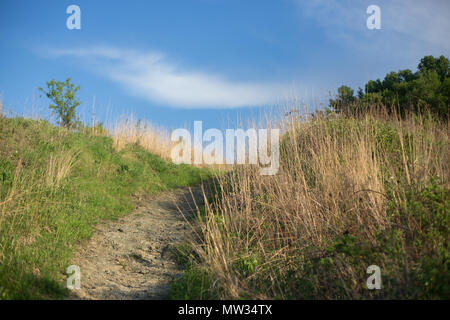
<point>196,283</point>
<point>44,219</point>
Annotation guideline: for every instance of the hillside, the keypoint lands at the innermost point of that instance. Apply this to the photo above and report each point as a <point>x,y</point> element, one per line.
<point>55,186</point>
<point>353,191</point>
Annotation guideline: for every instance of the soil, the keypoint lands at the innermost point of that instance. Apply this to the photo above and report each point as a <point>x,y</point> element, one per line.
<point>130,259</point>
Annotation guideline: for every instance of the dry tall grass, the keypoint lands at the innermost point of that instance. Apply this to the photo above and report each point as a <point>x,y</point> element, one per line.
<point>343,181</point>
<point>129,130</point>
<point>59,166</point>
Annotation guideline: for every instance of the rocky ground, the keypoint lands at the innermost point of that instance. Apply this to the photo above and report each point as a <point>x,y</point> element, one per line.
<point>131,258</point>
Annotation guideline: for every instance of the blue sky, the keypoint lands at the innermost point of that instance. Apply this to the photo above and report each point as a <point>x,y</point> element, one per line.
<point>173,62</point>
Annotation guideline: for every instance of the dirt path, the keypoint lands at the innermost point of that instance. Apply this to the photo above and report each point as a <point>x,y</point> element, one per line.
<point>129,259</point>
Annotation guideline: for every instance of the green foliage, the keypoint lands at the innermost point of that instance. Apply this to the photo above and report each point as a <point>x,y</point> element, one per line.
<point>196,282</point>
<point>246,265</point>
<point>439,65</point>
<point>344,99</point>
<point>415,265</point>
<point>428,89</point>
<point>62,94</point>
<point>6,176</point>
<point>41,224</point>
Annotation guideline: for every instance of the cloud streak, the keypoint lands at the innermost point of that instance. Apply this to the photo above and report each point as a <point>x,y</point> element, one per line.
<point>150,75</point>
<point>410,28</point>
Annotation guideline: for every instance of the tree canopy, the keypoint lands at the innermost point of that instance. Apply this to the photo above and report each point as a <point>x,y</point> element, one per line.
<point>427,89</point>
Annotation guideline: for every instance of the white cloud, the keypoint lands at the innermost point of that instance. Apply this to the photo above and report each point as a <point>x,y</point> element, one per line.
<point>410,28</point>
<point>151,76</point>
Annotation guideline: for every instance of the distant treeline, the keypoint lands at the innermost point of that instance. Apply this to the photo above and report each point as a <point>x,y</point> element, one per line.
<point>427,89</point>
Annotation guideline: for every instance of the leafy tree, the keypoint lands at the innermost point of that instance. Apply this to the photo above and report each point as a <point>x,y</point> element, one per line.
<point>62,94</point>
<point>360,93</point>
<point>344,99</point>
<point>346,94</point>
<point>374,86</point>
<point>406,75</point>
<point>390,80</point>
<point>441,65</point>
<point>427,89</point>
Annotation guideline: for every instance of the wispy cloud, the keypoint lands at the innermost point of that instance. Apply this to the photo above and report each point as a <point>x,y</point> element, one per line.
<point>410,28</point>
<point>423,21</point>
<point>152,76</point>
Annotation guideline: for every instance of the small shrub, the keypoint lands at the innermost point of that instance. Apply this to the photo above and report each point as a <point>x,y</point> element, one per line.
<point>62,93</point>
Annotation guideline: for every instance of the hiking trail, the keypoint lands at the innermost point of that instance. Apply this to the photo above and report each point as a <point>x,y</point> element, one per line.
<point>130,258</point>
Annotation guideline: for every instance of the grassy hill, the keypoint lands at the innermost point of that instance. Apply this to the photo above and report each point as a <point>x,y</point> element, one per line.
<point>352,191</point>
<point>55,186</point>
